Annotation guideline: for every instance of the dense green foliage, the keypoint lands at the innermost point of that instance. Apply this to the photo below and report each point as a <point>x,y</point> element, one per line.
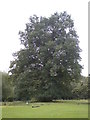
<point>7,87</point>
<point>49,62</point>
<point>80,89</point>
<point>0,86</point>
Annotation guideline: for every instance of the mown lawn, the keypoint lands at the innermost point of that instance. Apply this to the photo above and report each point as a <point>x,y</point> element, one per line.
<point>59,109</point>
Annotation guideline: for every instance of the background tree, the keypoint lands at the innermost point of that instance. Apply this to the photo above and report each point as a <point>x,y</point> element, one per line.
<point>7,88</point>
<point>49,62</point>
<point>0,86</point>
<point>80,89</point>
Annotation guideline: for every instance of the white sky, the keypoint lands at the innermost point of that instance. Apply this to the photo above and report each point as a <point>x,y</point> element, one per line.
<point>15,13</point>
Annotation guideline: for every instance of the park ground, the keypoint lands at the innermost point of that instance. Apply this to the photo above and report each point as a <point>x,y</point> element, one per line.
<point>56,109</point>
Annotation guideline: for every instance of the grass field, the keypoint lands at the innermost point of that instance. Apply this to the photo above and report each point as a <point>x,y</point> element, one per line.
<point>59,109</point>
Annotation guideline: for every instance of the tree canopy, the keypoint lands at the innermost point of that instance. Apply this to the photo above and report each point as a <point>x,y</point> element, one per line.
<point>50,59</point>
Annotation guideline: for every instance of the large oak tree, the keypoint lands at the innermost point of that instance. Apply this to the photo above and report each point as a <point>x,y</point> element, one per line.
<point>50,59</point>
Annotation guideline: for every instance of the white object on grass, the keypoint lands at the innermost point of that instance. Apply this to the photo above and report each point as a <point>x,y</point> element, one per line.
<point>26,103</point>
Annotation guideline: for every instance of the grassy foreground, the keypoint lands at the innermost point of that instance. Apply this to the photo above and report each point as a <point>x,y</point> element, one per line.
<point>59,109</point>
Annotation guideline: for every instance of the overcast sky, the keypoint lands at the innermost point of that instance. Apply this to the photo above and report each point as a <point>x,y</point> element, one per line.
<point>15,13</point>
